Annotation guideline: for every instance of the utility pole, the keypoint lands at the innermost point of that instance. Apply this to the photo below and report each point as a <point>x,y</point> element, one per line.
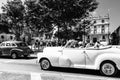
<point>84,32</point>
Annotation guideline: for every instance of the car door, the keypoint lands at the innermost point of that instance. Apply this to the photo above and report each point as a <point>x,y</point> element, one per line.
<point>7,48</point>
<point>2,47</point>
<point>91,54</point>
<point>74,56</point>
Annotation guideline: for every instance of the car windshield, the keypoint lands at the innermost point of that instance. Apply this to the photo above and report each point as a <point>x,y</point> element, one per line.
<point>72,44</point>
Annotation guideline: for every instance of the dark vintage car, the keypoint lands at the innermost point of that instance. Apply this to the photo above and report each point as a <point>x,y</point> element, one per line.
<point>15,49</point>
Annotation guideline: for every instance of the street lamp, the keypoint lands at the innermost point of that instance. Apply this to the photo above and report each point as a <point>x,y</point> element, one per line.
<point>84,35</point>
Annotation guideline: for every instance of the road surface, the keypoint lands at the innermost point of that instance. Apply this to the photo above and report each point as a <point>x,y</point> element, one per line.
<point>29,65</point>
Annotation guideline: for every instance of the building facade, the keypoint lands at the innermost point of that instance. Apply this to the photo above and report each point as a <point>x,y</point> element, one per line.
<point>99,31</point>
<point>6,37</point>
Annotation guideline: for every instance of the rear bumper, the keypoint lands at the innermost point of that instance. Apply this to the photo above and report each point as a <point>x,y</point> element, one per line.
<point>22,54</point>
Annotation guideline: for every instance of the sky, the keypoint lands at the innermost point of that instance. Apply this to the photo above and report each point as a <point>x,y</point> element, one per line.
<point>105,6</point>
<point>113,8</point>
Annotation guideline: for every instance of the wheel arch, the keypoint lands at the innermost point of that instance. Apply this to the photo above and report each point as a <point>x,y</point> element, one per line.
<point>44,58</point>
<point>115,59</point>
<point>111,62</point>
<point>13,51</point>
<point>107,61</point>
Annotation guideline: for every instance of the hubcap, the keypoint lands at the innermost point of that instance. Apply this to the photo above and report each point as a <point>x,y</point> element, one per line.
<point>108,69</point>
<point>13,56</point>
<point>45,64</point>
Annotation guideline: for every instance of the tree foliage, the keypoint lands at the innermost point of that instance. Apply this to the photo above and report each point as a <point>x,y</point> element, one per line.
<point>62,13</point>
<point>37,17</point>
<point>15,15</point>
<point>42,14</point>
<point>4,26</point>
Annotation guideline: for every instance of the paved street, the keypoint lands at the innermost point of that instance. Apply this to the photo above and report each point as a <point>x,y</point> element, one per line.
<point>70,33</point>
<point>29,66</point>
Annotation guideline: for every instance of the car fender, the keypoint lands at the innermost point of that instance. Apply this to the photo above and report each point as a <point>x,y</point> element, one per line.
<point>53,58</point>
<point>107,56</point>
<point>16,50</point>
<point>64,61</point>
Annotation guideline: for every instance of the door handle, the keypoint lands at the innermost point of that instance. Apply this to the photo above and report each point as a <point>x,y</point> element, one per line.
<point>84,52</point>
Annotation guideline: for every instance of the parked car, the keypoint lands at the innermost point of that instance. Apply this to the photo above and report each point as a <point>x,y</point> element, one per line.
<point>14,49</point>
<point>106,59</point>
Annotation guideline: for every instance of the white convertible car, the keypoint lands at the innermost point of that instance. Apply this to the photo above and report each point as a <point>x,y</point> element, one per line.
<point>105,58</point>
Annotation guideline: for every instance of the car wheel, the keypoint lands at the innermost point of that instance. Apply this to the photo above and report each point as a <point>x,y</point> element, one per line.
<point>108,69</point>
<point>14,55</point>
<point>25,56</point>
<point>45,64</point>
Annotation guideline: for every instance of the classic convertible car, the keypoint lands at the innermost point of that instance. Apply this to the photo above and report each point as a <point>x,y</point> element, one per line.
<point>105,58</point>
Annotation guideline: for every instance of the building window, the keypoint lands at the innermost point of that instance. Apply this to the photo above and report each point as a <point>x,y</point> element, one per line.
<point>88,37</point>
<point>103,29</point>
<point>94,22</point>
<point>102,20</point>
<point>11,37</point>
<point>2,37</point>
<point>95,29</point>
<point>103,37</point>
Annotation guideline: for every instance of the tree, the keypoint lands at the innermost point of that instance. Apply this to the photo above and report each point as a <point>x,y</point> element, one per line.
<point>41,14</point>
<point>115,38</point>
<point>37,17</point>
<point>60,12</point>
<point>4,26</point>
<point>14,9</point>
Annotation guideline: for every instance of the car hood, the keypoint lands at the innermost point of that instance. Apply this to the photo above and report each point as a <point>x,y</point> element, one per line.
<point>52,49</point>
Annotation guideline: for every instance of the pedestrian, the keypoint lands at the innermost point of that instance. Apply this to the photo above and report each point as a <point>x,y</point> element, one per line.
<point>80,44</point>
<point>97,44</point>
<point>36,44</point>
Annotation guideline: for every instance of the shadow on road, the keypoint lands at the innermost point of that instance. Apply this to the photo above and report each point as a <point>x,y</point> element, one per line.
<point>28,58</point>
<point>82,71</point>
<point>8,57</point>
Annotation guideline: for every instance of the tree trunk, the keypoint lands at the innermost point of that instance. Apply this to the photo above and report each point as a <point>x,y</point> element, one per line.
<point>18,36</point>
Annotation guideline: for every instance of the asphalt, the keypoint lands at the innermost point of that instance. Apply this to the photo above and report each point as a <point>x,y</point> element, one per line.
<point>5,75</point>
<point>35,76</point>
<point>44,76</point>
<point>14,76</point>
